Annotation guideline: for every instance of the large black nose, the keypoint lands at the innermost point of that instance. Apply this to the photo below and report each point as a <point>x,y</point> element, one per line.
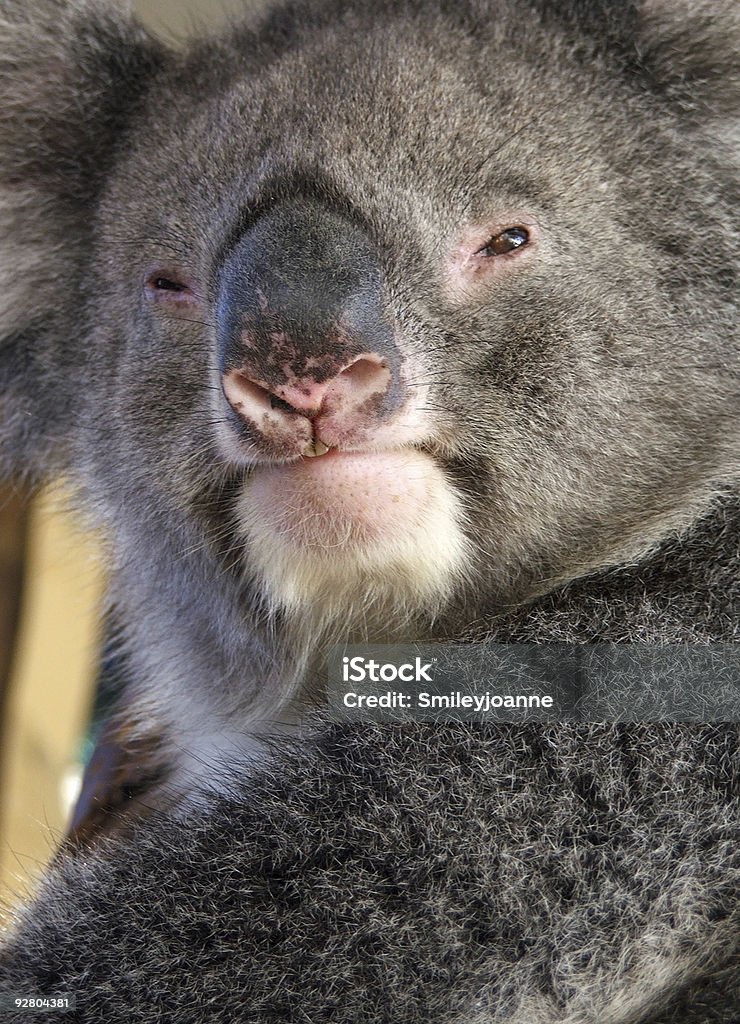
<point>307,353</point>
<point>301,298</point>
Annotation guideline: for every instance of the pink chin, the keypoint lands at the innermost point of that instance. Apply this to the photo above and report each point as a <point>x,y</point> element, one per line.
<point>343,499</point>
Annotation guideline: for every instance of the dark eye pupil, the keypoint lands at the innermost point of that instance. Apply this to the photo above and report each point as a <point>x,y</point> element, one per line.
<point>507,241</point>
<point>163,284</point>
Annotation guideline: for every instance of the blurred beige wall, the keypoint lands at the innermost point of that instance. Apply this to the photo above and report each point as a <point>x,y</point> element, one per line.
<point>177,18</point>
<point>53,671</point>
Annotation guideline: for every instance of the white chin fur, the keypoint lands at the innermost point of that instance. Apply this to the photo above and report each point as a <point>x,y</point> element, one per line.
<point>343,535</point>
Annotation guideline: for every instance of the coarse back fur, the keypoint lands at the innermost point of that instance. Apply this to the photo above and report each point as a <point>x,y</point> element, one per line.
<point>497,239</point>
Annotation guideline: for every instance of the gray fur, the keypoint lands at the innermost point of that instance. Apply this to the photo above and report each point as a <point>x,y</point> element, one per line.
<point>586,409</point>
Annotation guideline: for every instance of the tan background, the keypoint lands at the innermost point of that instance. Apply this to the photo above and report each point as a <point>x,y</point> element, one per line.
<point>54,657</point>
<point>52,676</point>
<point>176,18</point>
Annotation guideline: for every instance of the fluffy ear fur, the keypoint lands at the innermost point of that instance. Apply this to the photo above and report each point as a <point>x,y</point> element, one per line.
<point>689,50</point>
<point>71,75</point>
<point>682,50</point>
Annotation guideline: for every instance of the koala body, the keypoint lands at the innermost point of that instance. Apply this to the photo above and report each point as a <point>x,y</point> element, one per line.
<point>388,321</point>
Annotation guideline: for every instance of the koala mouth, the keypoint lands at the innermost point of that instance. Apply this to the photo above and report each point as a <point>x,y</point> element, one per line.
<point>386,521</point>
<point>332,498</point>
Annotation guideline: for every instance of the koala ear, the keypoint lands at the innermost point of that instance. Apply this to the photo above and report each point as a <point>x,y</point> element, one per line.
<point>72,73</point>
<point>690,51</point>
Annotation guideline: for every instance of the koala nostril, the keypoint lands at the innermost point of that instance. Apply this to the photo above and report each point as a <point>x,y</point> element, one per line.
<point>365,370</point>
<point>368,375</point>
<point>279,403</point>
<point>245,395</point>
<point>252,400</point>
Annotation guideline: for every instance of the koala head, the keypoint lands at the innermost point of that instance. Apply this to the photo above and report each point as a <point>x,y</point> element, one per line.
<point>373,312</point>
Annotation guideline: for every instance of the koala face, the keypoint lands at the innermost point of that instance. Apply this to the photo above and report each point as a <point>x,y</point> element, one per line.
<point>409,310</point>
<point>382,318</point>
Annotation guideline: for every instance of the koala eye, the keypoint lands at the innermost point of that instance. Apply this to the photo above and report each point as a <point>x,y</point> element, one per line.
<point>164,284</point>
<point>157,282</point>
<point>171,292</point>
<point>472,268</point>
<point>505,242</point>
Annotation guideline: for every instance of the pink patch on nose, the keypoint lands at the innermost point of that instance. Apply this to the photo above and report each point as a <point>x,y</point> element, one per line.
<point>305,396</point>
<point>352,398</point>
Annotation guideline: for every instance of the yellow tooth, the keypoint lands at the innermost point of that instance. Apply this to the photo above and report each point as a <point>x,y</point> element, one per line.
<point>315,448</point>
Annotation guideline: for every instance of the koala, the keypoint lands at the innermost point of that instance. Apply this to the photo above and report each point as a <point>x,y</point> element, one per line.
<point>375,322</point>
